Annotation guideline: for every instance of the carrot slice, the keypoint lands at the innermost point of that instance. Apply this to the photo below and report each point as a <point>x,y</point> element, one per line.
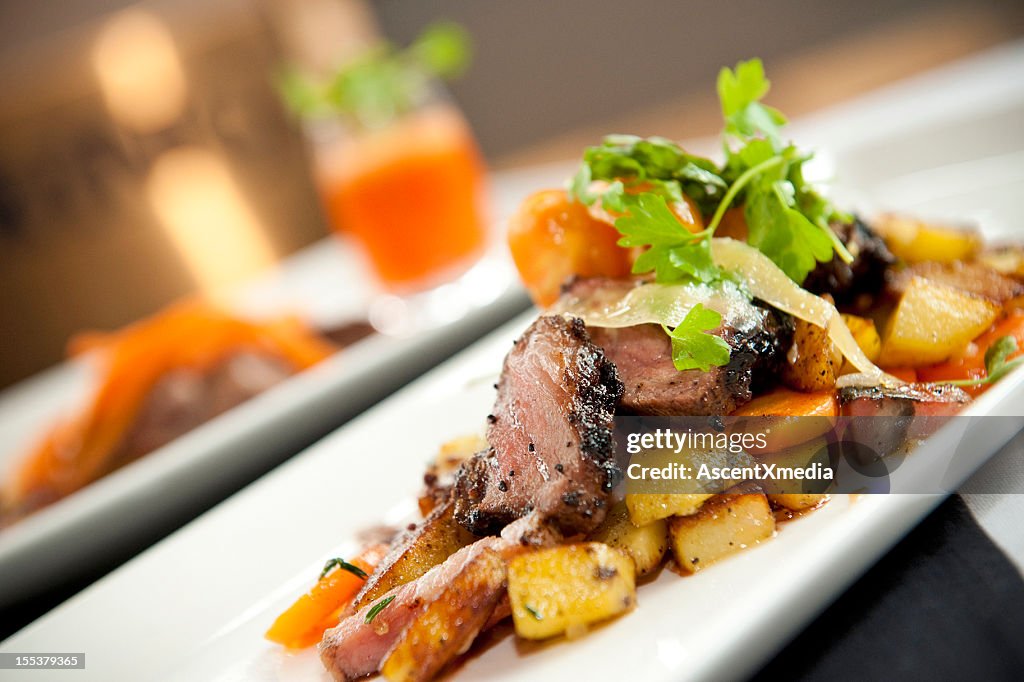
<point>971,363</point>
<point>303,623</point>
<point>787,418</point>
<point>907,374</point>
<point>783,402</point>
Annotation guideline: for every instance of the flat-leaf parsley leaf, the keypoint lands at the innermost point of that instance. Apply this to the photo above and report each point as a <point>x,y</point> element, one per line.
<point>639,180</point>
<point>692,348</point>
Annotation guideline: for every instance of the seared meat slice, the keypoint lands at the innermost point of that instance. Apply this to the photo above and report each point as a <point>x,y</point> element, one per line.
<point>471,581</point>
<point>358,644</point>
<point>643,358</point>
<point>881,420</point>
<point>642,354</point>
<point>347,333</point>
<point>415,552</point>
<point>179,401</point>
<point>185,398</point>
<point>857,282</point>
<point>908,400</point>
<point>447,626</point>
<point>971,278</point>
<point>550,435</point>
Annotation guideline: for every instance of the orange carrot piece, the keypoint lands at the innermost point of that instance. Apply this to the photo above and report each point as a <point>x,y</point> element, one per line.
<point>788,418</point>
<point>782,402</point>
<point>971,363</point>
<point>303,623</point>
<point>189,334</point>
<point>907,374</point>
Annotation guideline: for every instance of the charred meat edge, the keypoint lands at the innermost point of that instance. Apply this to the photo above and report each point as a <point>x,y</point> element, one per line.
<point>551,444</point>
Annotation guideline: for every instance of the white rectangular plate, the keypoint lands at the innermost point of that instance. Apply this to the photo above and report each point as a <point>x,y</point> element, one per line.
<point>196,605</point>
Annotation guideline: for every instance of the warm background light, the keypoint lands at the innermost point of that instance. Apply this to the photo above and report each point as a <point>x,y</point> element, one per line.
<point>139,71</point>
<point>206,217</point>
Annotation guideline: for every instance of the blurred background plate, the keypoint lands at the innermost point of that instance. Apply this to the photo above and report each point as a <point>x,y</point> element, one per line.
<point>110,519</point>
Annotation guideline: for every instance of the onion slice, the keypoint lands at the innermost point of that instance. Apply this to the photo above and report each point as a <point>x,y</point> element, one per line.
<point>627,304</point>
<point>767,282</point>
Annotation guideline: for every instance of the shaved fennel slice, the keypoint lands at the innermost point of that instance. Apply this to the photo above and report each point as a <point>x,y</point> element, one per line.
<point>767,282</point>
<point>622,304</point>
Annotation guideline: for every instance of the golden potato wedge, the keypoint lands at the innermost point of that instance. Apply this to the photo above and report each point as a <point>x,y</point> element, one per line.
<point>647,508</point>
<point>450,623</point>
<point>646,545</point>
<point>915,241</point>
<point>800,456</point>
<point>797,502</point>
<point>565,589</point>
<point>435,539</point>
<point>866,336</point>
<point>811,363</point>
<point>931,322</point>
<point>723,526</point>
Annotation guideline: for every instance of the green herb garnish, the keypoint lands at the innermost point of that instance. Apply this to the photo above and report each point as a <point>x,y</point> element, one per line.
<point>692,348</point>
<point>344,566</point>
<point>377,608</point>
<point>533,612</point>
<point>997,363</point>
<point>672,256</point>
<point>384,82</point>
<point>787,220</point>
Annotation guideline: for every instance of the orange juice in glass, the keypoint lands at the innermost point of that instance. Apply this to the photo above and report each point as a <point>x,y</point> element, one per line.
<point>411,193</point>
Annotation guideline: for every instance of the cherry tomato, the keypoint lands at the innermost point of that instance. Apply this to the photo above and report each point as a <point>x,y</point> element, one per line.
<point>553,238</point>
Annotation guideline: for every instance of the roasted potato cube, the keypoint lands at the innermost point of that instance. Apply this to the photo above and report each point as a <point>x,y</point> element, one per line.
<point>436,538</point>
<point>866,336</point>
<point>647,508</point>
<point>915,240</point>
<point>797,501</point>
<point>723,526</point>
<point>564,589</point>
<point>646,545</point>
<point>450,623</point>
<point>811,363</point>
<point>800,456</point>
<point>931,322</point>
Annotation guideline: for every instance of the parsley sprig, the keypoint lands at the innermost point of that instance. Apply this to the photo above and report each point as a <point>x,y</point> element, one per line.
<point>692,348</point>
<point>997,363</point>
<point>787,219</point>
<point>382,83</point>
<point>639,179</point>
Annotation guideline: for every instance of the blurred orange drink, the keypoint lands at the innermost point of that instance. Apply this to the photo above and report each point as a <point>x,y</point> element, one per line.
<point>410,193</point>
